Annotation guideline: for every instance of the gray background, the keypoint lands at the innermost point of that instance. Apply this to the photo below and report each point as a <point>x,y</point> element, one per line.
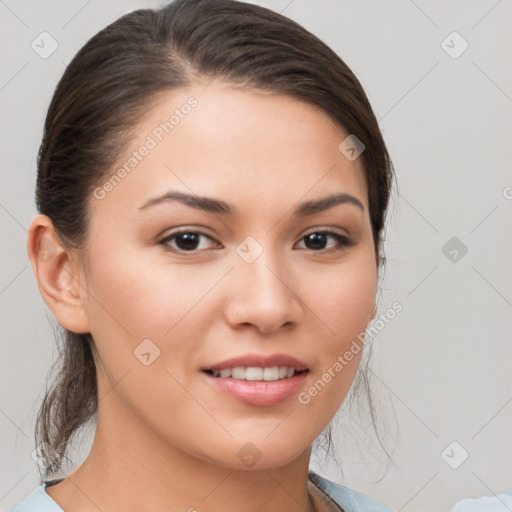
<point>441,368</point>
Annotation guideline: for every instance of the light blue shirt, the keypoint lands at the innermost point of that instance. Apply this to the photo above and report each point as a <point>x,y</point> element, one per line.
<point>347,499</point>
<point>501,502</point>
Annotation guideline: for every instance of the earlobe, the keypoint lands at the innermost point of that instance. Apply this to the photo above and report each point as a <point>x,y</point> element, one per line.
<point>58,275</point>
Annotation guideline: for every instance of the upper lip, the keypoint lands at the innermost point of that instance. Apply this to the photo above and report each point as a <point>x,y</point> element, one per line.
<point>259,361</point>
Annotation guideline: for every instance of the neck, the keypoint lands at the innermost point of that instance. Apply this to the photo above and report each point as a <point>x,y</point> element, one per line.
<point>132,469</point>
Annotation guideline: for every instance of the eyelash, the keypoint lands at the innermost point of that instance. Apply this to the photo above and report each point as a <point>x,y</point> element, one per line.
<point>342,240</point>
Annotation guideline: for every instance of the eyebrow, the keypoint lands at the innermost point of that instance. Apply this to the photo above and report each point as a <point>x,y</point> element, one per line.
<point>212,205</point>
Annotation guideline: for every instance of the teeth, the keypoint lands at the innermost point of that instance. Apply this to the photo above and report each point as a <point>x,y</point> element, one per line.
<point>256,373</point>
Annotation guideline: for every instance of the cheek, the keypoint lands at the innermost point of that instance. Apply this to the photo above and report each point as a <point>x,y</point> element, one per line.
<point>133,294</point>
<point>345,302</point>
<point>345,306</point>
<point>125,309</point>
<point>122,295</point>
<point>139,321</point>
<point>133,299</point>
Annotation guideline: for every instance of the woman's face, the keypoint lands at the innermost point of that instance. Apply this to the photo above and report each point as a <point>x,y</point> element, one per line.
<point>253,278</point>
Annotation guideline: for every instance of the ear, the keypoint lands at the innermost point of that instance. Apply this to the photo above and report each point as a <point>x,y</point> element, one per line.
<point>59,275</point>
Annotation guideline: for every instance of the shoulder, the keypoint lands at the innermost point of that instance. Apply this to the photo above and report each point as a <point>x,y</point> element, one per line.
<point>38,501</point>
<point>501,502</point>
<point>348,499</point>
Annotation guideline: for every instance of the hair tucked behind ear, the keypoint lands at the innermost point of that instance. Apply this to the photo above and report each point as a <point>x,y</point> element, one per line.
<point>115,78</point>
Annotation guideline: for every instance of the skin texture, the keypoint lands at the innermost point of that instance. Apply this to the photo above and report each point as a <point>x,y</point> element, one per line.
<point>166,439</point>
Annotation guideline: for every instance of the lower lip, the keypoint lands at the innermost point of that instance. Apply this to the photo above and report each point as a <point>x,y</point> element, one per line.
<point>258,393</point>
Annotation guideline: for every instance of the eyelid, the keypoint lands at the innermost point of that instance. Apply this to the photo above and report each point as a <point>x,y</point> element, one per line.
<point>325,229</point>
<point>162,240</point>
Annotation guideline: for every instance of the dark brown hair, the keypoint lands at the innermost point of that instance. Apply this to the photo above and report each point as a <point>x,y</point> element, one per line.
<point>114,79</point>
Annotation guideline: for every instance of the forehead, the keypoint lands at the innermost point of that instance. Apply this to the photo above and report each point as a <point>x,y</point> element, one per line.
<point>250,146</point>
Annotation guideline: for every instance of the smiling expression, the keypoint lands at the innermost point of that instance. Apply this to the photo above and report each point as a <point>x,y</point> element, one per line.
<point>276,259</point>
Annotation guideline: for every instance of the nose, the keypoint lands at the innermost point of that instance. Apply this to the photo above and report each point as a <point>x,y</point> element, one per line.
<point>263,295</point>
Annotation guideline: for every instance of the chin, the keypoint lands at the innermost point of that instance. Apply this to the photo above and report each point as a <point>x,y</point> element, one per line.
<point>258,455</point>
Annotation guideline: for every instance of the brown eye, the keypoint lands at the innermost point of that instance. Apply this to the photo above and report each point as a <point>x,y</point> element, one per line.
<point>185,241</point>
<point>317,240</point>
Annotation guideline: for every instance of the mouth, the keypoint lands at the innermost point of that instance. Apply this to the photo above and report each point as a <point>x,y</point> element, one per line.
<point>255,373</point>
<point>257,386</point>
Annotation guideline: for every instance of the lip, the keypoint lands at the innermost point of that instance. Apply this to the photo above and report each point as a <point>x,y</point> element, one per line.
<point>260,361</point>
<point>258,393</point>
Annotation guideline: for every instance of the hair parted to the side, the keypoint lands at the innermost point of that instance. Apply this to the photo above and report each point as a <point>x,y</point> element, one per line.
<point>115,78</point>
